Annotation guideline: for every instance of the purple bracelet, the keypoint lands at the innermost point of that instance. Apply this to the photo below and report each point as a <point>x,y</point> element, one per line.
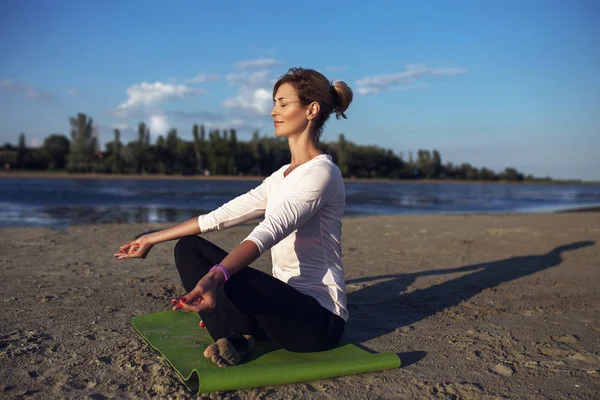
<point>223,270</point>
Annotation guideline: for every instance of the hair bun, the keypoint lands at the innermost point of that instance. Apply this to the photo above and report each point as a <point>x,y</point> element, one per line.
<point>343,96</point>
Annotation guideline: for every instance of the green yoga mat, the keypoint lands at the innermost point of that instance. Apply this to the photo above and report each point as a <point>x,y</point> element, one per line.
<point>179,339</point>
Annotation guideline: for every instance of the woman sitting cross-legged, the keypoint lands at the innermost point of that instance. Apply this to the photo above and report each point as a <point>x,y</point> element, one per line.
<point>301,307</point>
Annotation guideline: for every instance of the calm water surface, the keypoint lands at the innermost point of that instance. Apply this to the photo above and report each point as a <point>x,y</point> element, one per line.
<point>59,203</point>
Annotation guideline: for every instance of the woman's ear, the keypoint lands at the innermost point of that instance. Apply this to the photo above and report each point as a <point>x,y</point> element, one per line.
<point>313,110</point>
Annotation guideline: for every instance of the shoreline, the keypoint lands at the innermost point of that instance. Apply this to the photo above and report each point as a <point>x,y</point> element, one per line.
<point>66,175</point>
<point>164,224</point>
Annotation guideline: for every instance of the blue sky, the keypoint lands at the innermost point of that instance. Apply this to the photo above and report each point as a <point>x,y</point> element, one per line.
<point>496,84</point>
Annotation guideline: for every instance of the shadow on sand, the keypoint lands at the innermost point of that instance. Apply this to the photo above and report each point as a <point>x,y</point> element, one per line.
<point>382,307</point>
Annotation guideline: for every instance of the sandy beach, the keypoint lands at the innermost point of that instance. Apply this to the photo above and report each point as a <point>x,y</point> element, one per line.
<point>477,307</point>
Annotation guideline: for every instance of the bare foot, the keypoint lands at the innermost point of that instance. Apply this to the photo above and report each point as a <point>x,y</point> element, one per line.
<point>227,352</point>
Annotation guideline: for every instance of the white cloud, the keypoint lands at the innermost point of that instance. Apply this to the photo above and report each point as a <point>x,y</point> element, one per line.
<point>159,124</point>
<point>399,81</point>
<point>151,94</point>
<point>255,95</point>
<point>201,78</point>
<point>254,101</point>
<point>257,63</point>
<point>25,90</point>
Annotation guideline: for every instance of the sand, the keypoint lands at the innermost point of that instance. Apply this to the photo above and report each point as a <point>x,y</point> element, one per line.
<point>477,306</point>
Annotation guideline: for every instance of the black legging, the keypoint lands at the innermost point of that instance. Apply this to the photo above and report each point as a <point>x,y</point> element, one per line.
<point>258,304</point>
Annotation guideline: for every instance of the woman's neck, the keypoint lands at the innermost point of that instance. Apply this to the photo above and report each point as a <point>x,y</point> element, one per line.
<point>302,149</point>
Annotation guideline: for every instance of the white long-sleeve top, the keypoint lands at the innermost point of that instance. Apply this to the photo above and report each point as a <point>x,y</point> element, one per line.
<point>302,226</point>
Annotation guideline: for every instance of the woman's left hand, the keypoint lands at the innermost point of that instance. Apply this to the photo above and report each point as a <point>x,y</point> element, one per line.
<point>139,248</point>
<point>203,297</point>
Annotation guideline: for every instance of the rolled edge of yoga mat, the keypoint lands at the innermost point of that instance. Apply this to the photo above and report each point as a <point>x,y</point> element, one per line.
<point>232,378</point>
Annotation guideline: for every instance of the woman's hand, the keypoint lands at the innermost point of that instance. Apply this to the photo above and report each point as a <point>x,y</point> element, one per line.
<point>204,295</point>
<point>139,248</point>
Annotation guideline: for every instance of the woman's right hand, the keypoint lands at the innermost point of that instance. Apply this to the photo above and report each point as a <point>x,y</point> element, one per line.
<point>139,248</point>
<point>203,297</point>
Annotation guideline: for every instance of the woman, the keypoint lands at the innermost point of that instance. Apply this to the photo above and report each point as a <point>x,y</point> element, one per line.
<point>302,306</point>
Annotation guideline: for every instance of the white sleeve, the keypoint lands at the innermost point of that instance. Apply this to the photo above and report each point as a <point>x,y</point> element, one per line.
<point>314,189</point>
<point>239,210</point>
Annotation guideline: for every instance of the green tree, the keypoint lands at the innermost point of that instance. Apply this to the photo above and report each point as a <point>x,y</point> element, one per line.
<point>511,174</point>
<point>449,168</point>
<point>223,153</point>
<point>198,147</point>
<point>255,145</point>
<point>233,147</point>
<point>424,164</point>
<point>216,153</point>
<point>117,166</point>
<point>141,148</point>
<point>56,149</point>
<point>342,155</point>
<point>172,155</point>
<point>203,145</point>
<point>487,175</point>
<point>244,158</point>
<point>437,164</point>
<point>468,172</point>
<point>21,151</point>
<point>186,160</point>
<point>84,144</point>
<point>161,155</point>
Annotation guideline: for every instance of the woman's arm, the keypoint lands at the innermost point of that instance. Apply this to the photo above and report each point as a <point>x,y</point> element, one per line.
<point>187,228</point>
<point>241,209</point>
<point>141,246</point>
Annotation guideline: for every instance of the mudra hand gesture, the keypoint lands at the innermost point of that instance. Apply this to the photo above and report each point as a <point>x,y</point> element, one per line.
<point>139,248</point>
<point>203,297</point>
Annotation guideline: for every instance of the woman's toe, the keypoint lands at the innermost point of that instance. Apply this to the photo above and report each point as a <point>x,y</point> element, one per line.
<point>218,360</point>
<point>211,350</point>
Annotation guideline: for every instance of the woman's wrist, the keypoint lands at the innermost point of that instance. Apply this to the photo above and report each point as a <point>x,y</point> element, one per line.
<point>223,270</point>
<point>150,239</point>
<point>218,275</point>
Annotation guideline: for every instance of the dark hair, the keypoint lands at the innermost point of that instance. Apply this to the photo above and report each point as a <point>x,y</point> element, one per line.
<point>333,97</point>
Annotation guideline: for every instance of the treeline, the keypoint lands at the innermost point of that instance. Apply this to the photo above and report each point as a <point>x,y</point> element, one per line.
<point>221,153</point>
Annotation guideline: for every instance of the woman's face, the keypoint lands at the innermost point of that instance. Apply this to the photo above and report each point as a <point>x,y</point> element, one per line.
<point>290,117</point>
